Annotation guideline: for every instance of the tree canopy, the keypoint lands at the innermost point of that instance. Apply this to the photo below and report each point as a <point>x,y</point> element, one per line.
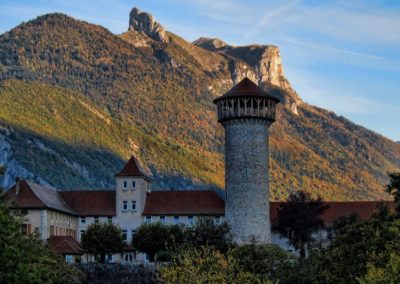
<point>101,239</point>
<point>299,218</point>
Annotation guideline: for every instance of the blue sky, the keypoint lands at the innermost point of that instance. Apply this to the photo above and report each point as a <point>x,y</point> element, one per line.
<point>340,55</point>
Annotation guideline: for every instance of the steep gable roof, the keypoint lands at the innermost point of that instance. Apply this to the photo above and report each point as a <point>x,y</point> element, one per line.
<point>199,202</point>
<point>32,195</point>
<point>91,202</point>
<point>132,169</point>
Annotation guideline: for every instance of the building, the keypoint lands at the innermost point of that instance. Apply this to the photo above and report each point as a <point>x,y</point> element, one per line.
<point>246,112</point>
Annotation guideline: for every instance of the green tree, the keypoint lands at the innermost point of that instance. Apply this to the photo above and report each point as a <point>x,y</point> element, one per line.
<point>152,238</point>
<point>205,265</point>
<point>206,233</point>
<point>25,258</point>
<point>394,188</point>
<point>299,218</point>
<point>354,249</point>
<point>266,261</point>
<point>101,239</point>
<point>388,274</point>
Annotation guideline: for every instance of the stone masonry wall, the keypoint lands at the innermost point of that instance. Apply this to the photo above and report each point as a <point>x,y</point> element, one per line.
<point>247,180</point>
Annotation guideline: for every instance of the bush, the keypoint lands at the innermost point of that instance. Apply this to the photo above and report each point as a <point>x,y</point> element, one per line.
<point>205,265</point>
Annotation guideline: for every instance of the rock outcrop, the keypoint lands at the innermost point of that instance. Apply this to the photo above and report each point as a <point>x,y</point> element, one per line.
<point>144,23</point>
<point>265,67</point>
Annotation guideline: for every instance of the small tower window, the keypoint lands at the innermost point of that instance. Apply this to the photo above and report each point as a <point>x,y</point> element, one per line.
<point>133,184</point>
<point>133,205</point>
<point>124,205</point>
<point>125,184</point>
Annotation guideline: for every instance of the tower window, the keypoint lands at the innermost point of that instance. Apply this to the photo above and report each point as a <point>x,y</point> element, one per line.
<point>133,184</point>
<point>124,205</point>
<point>125,184</point>
<point>133,205</point>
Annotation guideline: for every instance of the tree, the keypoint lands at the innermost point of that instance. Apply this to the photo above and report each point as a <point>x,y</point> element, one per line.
<point>205,265</point>
<point>206,233</point>
<point>394,188</point>
<point>152,238</point>
<point>356,252</point>
<point>25,258</point>
<point>299,218</point>
<point>101,239</point>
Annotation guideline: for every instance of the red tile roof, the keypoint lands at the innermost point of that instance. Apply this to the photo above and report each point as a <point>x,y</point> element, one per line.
<point>246,87</point>
<point>364,209</point>
<point>91,202</point>
<point>32,196</point>
<point>132,169</point>
<point>64,245</point>
<point>199,202</point>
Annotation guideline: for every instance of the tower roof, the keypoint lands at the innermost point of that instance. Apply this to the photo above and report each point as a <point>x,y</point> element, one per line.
<point>132,169</point>
<point>246,87</point>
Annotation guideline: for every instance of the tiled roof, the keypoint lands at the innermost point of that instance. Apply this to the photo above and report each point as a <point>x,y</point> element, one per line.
<point>91,202</point>
<point>246,87</point>
<point>132,169</point>
<point>32,195</point>
<point>199,202</point>
<point>64,245</point>
<point>364,209</point>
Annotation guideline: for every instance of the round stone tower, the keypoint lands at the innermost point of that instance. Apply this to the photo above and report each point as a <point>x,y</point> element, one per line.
<point>246,112</point>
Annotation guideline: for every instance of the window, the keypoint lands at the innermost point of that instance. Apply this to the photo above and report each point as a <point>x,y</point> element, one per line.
<point>124,205</point>
<point>190,220</point>
<point>133,205</point>
<point>96,219</point>
<point>176,220</point>
<point>125,235</point>
<point>125,184</point>
<point>133,184</point>
<point>162,219</point>
<point>82,233</point>
<point>109,220</point>
<point>83,220</point>
<point>69,258</point>
<point>52,230</point>
<point>217,220</point>
<point>133,232</point>
<point>147,219</point>
<point>128,257</point>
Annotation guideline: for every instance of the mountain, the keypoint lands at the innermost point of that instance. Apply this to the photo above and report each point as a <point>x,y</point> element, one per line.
<point>77,101</point>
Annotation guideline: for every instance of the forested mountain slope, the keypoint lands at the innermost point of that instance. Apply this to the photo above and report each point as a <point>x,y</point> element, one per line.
<point>77,100</point>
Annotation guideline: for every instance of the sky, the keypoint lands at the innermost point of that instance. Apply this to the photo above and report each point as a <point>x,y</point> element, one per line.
<point>339,55</point>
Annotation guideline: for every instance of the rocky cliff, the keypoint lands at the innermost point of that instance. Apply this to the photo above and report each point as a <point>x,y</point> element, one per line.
<point>78,100</point>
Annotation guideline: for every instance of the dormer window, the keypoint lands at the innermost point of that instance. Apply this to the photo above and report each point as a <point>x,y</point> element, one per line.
<point>133,185</point>
<point>125,185</point>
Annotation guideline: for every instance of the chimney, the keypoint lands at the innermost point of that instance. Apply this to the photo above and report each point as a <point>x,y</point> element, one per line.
<point>17,185</point>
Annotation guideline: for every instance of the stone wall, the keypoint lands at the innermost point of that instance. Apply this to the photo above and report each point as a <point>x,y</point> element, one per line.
<point>246,180</point>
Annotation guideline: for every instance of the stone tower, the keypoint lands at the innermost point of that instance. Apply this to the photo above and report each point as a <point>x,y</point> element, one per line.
<point>246,112</point>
